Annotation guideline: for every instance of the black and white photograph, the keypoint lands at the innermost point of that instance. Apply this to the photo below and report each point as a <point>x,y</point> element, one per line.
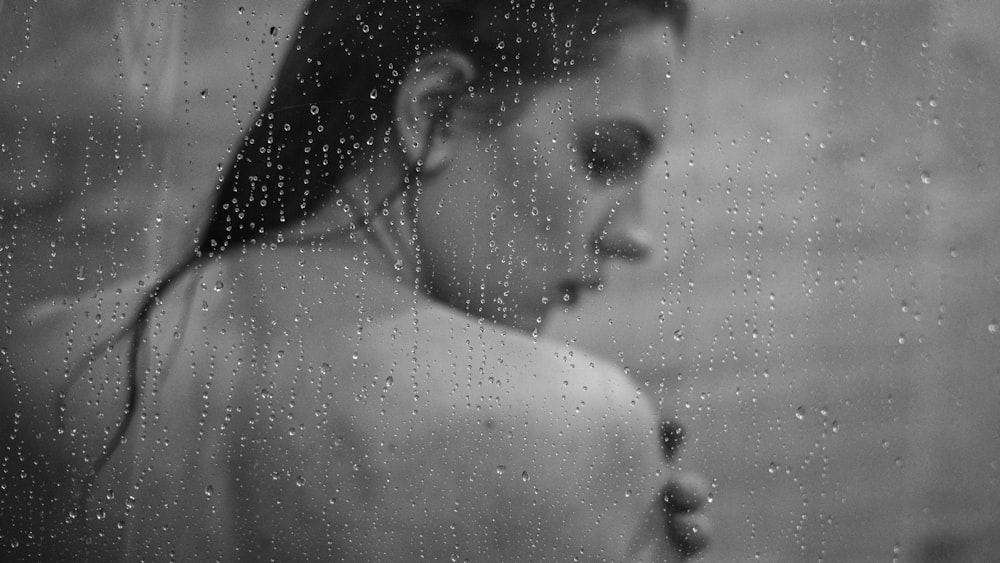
<point>500,281</point>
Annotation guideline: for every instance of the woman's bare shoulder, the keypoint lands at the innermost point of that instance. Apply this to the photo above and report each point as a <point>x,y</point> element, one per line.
<point>336,332</point>
<point>457,362</point>
<point>444,339</point>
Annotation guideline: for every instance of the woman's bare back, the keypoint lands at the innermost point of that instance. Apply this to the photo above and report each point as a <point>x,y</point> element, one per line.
<point>350,418</point>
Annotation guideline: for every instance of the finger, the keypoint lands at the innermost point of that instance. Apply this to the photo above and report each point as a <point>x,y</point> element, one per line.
<point>671,438</point>
<point>685,492</point>
<point>689,532</point>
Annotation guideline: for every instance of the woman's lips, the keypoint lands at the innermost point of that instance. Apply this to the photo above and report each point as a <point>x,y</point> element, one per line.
<point>571,290</point>
<point>570,294</point>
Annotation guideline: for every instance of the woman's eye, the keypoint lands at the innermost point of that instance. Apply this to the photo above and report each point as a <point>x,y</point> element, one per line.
<point>608,163</point>
<point>617,153</point>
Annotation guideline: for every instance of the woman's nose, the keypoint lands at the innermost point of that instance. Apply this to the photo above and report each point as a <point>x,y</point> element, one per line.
<point>625,240</point>
<point>623,235</point>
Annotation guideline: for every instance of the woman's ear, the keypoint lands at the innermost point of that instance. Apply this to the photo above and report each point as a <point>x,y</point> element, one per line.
<point>423,107</point>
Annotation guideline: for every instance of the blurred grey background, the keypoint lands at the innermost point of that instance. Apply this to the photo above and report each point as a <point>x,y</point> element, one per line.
<point>823,313</point>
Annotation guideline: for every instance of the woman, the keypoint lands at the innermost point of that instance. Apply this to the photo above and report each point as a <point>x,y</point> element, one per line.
<point>348,366</point>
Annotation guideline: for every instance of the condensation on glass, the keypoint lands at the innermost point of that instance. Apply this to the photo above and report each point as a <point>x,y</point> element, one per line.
<point>820,308</point>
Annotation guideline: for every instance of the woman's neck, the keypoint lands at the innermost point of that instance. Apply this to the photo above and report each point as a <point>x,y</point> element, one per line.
<point>389,228</point>
<point>393,231</point>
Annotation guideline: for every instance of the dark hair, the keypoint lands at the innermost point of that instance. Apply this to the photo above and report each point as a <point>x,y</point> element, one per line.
<point>334,92</point>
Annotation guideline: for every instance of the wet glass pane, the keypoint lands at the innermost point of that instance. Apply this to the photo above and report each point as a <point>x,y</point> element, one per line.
<point>387,280</point>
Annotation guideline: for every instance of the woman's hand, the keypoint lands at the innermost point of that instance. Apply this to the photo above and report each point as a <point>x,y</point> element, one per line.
<point>683,498</point>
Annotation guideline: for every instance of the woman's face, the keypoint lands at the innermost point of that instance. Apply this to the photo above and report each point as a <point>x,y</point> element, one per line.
<point>524,215</point>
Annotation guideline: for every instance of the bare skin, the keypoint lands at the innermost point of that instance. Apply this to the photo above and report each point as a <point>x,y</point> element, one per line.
<point>303,398</point>
<point>446,436</point>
